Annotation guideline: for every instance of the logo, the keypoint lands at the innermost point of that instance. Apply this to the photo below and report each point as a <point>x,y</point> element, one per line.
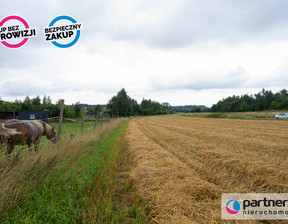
<point>261,206</point>
<point>63,31</point>
<point>15,31</point>
<point>233,207</point>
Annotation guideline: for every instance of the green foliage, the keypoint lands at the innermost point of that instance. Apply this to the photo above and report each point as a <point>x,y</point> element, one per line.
<point>97,109</point>
<point>77,109</point>
<point>190,108</point>
<point>122,105</point>
<point>264,100</point>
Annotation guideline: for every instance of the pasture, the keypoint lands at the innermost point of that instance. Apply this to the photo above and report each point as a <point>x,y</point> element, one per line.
<point>68,128</point>
<point>182,165</point>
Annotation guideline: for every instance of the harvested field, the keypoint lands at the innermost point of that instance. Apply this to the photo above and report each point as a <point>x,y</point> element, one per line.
<point>182,165</point>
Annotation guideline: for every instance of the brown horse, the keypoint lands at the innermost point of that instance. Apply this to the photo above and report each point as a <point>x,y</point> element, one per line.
<point>28,133</point>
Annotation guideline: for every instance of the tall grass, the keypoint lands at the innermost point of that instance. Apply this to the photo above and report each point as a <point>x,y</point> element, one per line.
<point>71,184</point>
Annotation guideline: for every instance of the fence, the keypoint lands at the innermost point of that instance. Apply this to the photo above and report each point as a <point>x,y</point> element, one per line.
<point>59,120</point>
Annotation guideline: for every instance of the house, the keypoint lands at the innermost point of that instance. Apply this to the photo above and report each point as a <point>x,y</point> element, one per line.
<point>24,115</point>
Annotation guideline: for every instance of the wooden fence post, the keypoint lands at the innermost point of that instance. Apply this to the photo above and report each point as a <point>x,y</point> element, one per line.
<point>96,117</point>
<point>101,119</point>
<point>82,121</point>
<point>60,122</point>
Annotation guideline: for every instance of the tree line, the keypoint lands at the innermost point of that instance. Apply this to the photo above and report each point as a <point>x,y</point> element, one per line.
<point>120,105</point>
<point>36,103</point>
<point>264,100</point>
<point>190,109</point>
<point>123,105</point>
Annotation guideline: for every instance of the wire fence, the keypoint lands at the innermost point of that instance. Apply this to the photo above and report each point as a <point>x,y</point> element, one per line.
<point>53,121</point>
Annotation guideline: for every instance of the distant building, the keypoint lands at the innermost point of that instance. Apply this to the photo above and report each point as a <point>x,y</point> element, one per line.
<point>24,115</point>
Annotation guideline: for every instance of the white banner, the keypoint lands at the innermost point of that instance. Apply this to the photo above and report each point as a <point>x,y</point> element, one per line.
<point>254,206</point>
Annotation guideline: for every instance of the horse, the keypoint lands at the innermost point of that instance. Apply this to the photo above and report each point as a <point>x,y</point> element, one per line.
<point>27,133</point>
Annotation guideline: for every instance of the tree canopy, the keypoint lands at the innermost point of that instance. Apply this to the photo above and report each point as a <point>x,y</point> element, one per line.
<point>264,100</point>
<point>123,105</point>
<point>120,105</point>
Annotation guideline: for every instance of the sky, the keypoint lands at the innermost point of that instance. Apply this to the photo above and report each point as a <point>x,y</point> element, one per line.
<point>185,52</point>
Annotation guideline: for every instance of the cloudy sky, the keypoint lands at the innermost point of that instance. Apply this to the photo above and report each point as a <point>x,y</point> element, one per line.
<point>182,52</point>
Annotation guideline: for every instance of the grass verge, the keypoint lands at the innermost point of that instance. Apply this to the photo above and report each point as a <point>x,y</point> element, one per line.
<point>77,183</point>
<point>112,198</point>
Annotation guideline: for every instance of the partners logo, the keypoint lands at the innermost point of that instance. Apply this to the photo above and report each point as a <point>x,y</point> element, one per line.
<point>15,31</point>
<point>254,206</point>
<point>63,31</point>
<point>233,207</point>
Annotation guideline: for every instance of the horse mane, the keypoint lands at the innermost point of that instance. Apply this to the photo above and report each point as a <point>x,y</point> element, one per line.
<point>47,127</point>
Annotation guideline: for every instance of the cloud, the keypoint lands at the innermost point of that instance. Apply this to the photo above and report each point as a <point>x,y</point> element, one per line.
<point>18,88</point>
<point>149,47</point>
<point>164,24</point>
<point>171,24</point>
<point>279,79</point>
<point>234,79</point>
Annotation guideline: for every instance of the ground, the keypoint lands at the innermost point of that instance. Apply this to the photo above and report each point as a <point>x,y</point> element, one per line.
<point>182,165</point>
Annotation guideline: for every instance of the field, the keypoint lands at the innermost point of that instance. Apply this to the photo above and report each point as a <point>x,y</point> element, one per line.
<point>181,165</point>
<point>157,169</point>
<point>253,115</point>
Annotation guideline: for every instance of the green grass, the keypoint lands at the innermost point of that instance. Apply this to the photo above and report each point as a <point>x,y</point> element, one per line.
<point>78,184</point>
<point>68,128</point>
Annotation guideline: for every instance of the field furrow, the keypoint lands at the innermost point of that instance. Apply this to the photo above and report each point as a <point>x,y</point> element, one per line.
<point>194,160</point>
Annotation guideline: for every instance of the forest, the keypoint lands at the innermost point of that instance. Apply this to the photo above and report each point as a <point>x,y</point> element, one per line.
<point>264,100</point>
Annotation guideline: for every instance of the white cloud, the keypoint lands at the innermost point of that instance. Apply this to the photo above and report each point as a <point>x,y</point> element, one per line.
<point>183,52</point>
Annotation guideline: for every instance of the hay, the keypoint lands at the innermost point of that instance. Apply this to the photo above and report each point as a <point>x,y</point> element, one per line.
<point>166,181</point>
<point>183,165</point>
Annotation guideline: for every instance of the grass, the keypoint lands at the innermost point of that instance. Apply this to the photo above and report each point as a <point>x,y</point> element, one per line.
<point>77,183</point>
<point>259,115</point>
<point>68,129</point>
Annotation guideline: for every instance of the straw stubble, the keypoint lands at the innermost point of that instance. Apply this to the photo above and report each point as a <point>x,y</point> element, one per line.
<point>182,165</point>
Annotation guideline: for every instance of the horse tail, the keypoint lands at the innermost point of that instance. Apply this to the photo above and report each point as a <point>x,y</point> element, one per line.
<point>7,131</point>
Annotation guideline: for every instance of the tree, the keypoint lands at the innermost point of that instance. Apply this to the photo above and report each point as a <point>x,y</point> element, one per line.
<point>134,108</point>
<point>97,109</point>
<point>77,109</point>
<point>36,101</point>
<point>123,102</point>
<point>112,106</point>
<point>264,100</point>
<point>123,105</point>
<point>167,108</point>
<point>198,109</point>
<point>244,106</point>
<point>120,105</point>
<point>27,104</point>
